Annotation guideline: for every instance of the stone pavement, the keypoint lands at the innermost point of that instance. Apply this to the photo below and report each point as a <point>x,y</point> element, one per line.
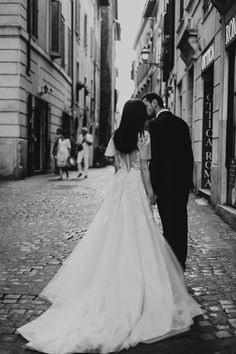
<point>41,220</point>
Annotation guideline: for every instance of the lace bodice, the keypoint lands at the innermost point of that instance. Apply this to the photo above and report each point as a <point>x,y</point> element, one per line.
<point>131,161</point>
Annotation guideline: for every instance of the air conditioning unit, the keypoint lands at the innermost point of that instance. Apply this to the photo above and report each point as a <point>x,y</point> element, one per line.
<point>43,89</point>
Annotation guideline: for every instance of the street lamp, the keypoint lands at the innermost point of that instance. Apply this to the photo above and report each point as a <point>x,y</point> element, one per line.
<point>145,55</point>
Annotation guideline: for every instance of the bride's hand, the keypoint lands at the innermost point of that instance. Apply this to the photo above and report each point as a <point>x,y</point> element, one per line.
<point>153,199</point>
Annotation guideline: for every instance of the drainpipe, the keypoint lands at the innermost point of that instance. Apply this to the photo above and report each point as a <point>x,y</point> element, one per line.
<point>72,55</point>
<point>28,65</point>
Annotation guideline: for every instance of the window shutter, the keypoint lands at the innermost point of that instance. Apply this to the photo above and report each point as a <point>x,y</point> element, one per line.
<point>32,17</point>
<point>69,52</point>
<point>85,32</point>
<point>77,81</point>
<point>55,28</point>
<point>91,42</point>
<point>206,5</point>
<point>62,42</point>
<point>93,46</point>
<point>77,18</point>
<point>181,9</point>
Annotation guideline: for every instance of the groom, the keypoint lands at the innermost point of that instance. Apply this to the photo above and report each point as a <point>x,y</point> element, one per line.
<point>171,170</point>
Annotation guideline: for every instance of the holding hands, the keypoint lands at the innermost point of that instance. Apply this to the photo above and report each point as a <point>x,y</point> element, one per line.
<point>153,199</point>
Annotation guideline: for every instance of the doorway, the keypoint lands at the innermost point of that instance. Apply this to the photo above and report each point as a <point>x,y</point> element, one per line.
<point>38,135</point>
<point>231,129</point>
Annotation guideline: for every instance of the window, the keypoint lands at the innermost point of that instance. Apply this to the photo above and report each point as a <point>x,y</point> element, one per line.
<point>179,102</point>
<point>206,6</point>
<point>69,52</point>
<point>62,42</point>
<point>92,102</point>
<point>85,31</point>
<point>55,28</point>
<point>77,79</point>
<point>181,9</point>
<point>32,17</point>
<point>77,18</point>
<point>92,43</point>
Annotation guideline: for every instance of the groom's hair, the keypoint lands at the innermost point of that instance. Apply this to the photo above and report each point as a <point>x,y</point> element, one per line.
<point>150,96</point>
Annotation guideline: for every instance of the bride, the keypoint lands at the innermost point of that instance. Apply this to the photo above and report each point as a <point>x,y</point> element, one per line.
<point>122,284</point>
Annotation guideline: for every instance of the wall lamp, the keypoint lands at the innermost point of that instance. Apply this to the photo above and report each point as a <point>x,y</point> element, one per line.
<point>145,55</point>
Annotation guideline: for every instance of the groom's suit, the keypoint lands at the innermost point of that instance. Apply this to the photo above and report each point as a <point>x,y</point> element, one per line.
<point>171,170</point>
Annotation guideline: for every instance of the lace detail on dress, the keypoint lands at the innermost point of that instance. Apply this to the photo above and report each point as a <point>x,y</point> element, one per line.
<point>143,140</point>
<point>127,163</point>
<point>132,161</point>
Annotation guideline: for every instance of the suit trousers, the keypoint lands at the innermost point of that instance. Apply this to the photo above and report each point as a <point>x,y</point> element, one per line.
<point>172,208</point>
<point>83,156</point>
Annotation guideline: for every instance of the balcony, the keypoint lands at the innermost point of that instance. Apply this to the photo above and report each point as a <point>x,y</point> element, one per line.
<point>189,44</point>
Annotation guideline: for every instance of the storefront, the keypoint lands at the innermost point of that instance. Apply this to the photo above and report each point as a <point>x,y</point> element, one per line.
<point>207,122</point>
<point>230,45</point>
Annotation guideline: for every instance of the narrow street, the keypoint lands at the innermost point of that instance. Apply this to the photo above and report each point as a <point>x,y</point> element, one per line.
<point>41,220</point>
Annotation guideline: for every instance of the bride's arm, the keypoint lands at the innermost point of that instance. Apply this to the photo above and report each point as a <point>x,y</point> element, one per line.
<point>116,162</point>
<point>147,180</point>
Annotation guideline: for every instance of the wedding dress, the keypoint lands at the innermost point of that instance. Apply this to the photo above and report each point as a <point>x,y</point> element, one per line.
<point>122,284</point>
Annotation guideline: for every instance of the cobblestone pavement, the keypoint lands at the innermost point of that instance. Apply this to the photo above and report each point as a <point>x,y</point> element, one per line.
<point>41,219</point>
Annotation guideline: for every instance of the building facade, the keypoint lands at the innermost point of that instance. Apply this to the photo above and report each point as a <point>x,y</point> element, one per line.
<point>226,186</point>
<point>110,33</point>
<point>50,77</point>
<point>197,79</point>
<point>148,77</point>
<point>87,67</point>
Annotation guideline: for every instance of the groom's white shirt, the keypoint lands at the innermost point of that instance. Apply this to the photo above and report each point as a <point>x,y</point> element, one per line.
<point>162,110</point>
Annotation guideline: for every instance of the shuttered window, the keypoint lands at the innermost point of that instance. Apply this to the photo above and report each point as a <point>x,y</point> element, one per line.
<point>181,9</point>
<point>55,28</point>
<point>77,18</point>
<point>77,79</point>
<point>206,5</point>
<point>69,52</point>
<point>32,17</point>
<point>91,42</point>
<point>62,42</point>
<point>85,31</point>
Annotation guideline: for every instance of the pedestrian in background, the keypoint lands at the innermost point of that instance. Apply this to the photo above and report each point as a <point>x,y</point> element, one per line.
<point>85,140</point>
<point>54,152</point>
<point>171,170</point>
<point>63,154</point>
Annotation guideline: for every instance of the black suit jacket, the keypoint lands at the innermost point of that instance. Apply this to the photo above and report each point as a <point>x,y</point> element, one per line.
<point>171,167</point>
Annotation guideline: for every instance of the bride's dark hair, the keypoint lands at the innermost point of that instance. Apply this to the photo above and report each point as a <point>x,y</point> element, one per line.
<point>131,124</point>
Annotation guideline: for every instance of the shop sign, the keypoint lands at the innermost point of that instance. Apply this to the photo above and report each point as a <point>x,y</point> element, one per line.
<point>230,30</point>
<point>208,57</point>
<point>207,140</point>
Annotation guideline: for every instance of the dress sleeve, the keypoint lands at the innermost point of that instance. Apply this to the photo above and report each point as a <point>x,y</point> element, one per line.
<point>89,138</point>
<point>110,150</point>
<point>145,147</point>
<point>68,143</point>
<point>79,139</point>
